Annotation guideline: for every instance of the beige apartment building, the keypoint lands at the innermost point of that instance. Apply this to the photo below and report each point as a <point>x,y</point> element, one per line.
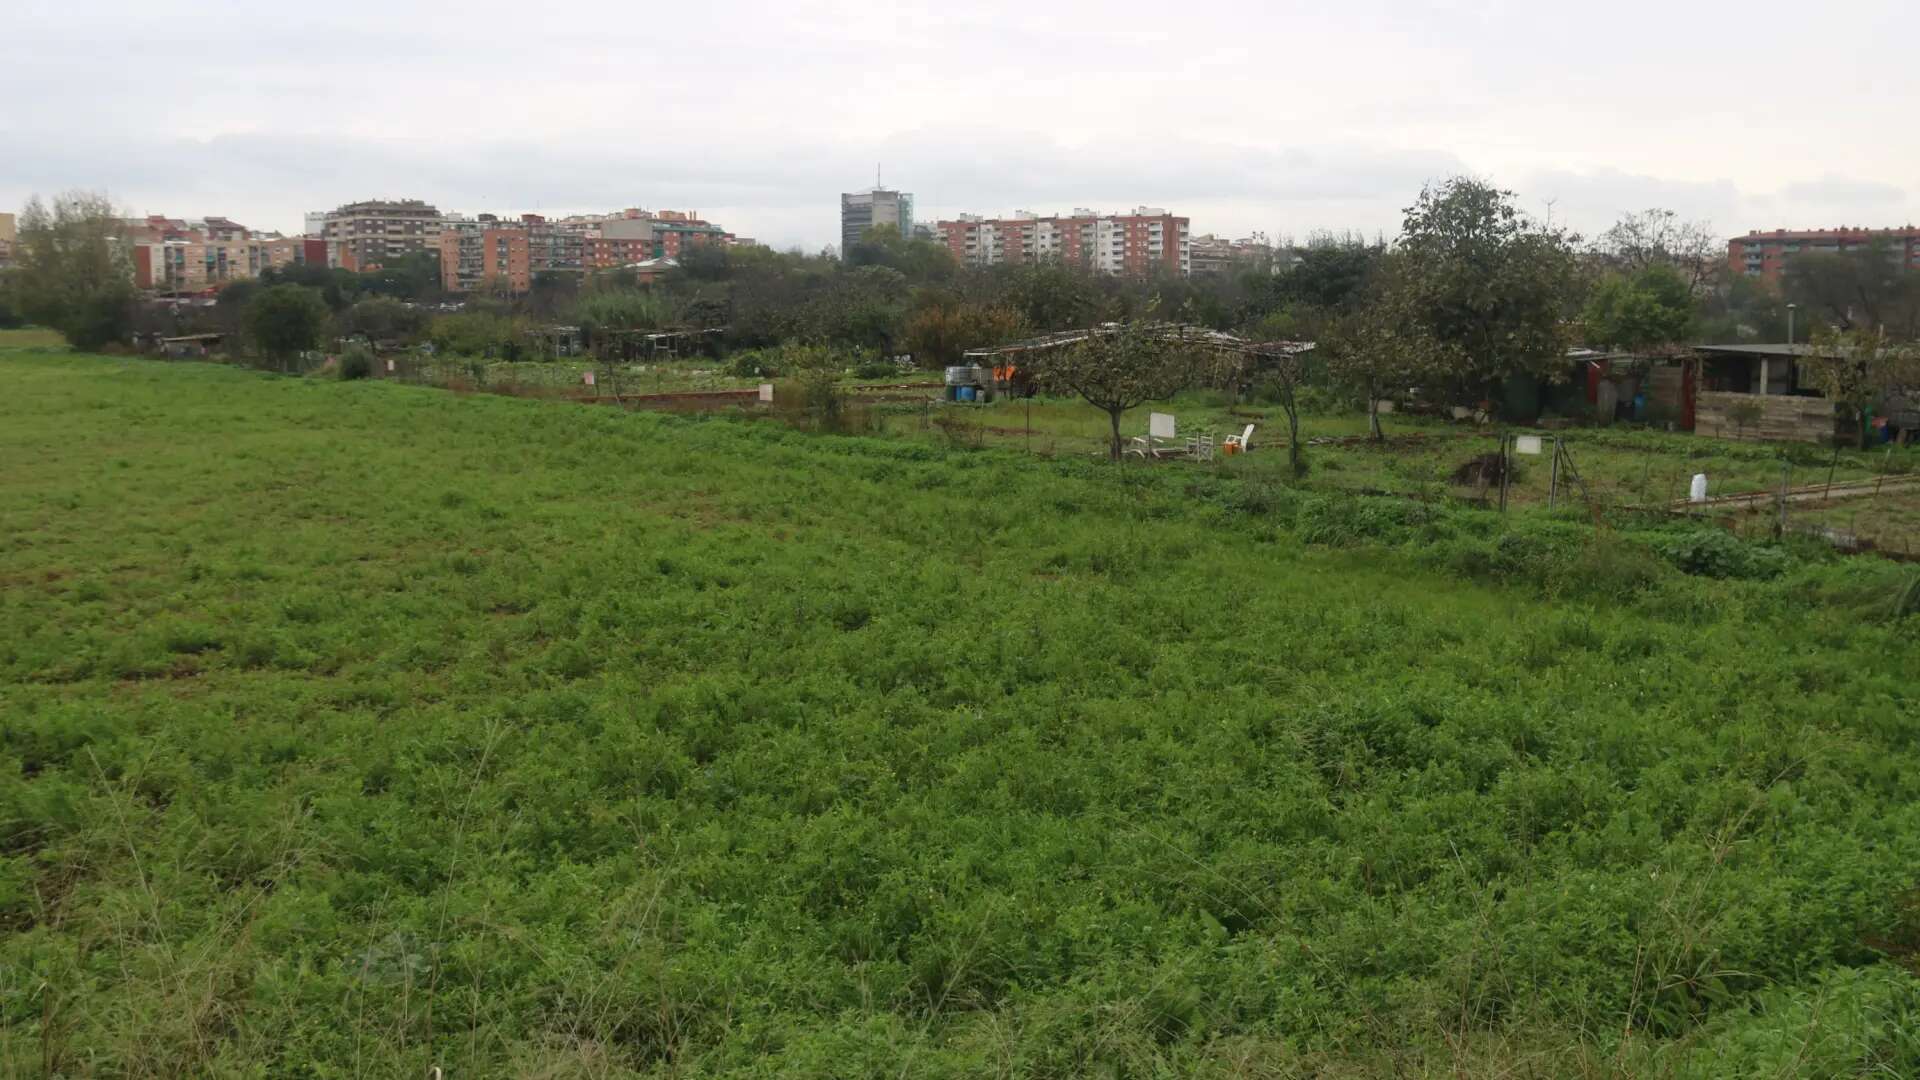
<point>369,234</point>
<point>179,255</point>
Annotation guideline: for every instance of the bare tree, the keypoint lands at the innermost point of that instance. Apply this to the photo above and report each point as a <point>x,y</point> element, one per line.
<point>75,275</point>
<point>1658,237</point>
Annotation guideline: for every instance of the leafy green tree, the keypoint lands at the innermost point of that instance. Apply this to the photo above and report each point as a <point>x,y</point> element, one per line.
<point>706,262</point>
<point>10,313</point>
<point>236,295</point>
<point>413,276</point>
<point>1051,296</point>
<point>476,334</point>
<point>74,274</point>
<point>286,320</point>
<point>552,292</point>
<point>1368,351</point>
<point>601,310</point>
<point>621,309</point>
<point>864,308</point>
<point>1331,276</point>
<point>1118,371</point>
<point>1485,291</point>
<point>1743,309</point>
<point>1859,369</point>
<point>919,260</point>
<point>1864,288</point>
<point>1649,307</point>
<point>939,333</point>
<point>383,318</point>
<point>336,286</point>
<point>1281,374</point>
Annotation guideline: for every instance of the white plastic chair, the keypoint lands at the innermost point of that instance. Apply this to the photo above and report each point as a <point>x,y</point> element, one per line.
<point>1200,447</point>
<point>1244,440</point>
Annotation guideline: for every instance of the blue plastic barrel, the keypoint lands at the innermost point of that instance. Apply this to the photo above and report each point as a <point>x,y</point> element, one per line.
<point>966,393</point>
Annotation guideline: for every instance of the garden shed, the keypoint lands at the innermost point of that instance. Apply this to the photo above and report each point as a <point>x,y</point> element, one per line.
<point>1755,392</point>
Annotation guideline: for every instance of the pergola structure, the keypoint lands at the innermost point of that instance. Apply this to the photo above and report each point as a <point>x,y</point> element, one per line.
<point>1282,361</point>
<point>1185,333</point>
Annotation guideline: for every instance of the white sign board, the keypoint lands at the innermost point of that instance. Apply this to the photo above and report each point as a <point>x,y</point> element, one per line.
<point>586,378</point>
<point>766,391</point>
<point>1160,425</point>
<point>1526,444</point>
<point>389,364</point>
<point>1698,491</point>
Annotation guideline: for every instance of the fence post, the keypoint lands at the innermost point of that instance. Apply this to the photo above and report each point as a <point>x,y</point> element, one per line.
<point>1506,470</point>
<point>1553,483</point>
<point>1786,474</point>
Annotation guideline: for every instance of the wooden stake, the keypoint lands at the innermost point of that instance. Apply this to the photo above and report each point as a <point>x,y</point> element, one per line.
<point>1553,482</point>
<point>1506,470</point>
<point>1786,474</point>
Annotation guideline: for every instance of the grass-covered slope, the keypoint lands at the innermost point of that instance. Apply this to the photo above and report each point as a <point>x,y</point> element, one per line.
<point>348,729</point>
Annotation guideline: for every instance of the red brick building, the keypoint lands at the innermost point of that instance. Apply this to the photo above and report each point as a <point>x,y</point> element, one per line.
<point>1765,254</point>
<point>470,258</point>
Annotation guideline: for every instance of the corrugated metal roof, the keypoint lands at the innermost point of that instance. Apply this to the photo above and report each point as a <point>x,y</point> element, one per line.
<point>1758,350</point>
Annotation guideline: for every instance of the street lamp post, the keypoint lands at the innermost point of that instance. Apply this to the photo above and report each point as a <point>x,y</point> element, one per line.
<point>1791,308</point>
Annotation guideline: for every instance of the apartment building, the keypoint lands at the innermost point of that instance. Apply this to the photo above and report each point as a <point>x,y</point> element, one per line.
<point>862,210</point>
<point>472,250</point>
<point>194,265</point>
<point>192,255</point>
<point>366,235</point>
<point>9,236</point>
<point>477,251</point>
<point>1765,255</point>
<point>1210,254</point>
<point>1140,243</point>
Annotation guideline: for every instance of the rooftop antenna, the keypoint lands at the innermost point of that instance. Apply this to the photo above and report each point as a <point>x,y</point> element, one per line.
<point>876,177</point>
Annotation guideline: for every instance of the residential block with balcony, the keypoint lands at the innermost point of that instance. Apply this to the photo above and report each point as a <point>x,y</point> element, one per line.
<point>1765,255</point>
<point>1140,243</point>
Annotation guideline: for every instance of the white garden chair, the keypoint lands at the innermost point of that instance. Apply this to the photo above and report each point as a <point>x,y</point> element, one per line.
<point>1200,447</point>
<point>1244,440</point>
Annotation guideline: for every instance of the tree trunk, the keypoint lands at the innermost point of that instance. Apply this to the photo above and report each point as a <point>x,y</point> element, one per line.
<point>1114,450</point>
<point>1373,414</point>
<point>1293,431</point>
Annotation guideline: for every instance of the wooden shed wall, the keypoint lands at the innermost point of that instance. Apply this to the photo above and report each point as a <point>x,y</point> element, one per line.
<point>1783,417</point>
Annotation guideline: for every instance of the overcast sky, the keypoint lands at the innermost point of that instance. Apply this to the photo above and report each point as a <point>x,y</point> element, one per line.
<point>1275,116</point>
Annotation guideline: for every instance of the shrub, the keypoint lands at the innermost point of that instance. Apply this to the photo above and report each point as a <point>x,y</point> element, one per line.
<point>355,363</point>
<point>752,364</point>
<point>1718,554</point>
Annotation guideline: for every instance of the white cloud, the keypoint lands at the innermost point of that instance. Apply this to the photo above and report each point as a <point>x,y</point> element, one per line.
<point>1287,117</point>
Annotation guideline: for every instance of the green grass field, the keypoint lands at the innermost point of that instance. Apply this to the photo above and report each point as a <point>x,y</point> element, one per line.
<point>1623,466</point>
<point>349,729</point>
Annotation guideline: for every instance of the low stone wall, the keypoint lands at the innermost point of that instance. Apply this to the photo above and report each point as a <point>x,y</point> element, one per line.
<point>1783,417</point>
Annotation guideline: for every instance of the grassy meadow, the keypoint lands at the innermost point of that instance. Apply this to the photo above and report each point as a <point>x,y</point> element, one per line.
<point>356,728</point>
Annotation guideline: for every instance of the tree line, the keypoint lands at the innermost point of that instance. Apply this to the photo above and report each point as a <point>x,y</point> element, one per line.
<point>1470,292</point>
